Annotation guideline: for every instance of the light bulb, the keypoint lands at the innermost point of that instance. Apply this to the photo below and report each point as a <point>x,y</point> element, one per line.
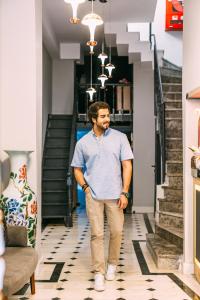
<point>110,67</point>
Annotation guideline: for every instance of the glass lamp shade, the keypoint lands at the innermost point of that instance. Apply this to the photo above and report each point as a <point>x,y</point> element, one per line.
<point>92,20</point>
<point>74,4</point>
<point>102,78</point>
<point>91,92</point>
<point>110,67</point>
<point>102,57</point>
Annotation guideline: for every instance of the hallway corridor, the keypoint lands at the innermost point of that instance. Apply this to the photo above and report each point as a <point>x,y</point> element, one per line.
<point>65,269</point>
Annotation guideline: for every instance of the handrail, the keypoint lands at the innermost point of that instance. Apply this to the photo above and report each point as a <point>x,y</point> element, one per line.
<point>70,178</point>
<point>159,111</point>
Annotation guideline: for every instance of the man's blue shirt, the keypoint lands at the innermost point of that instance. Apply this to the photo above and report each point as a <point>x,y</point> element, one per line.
<point>101,157</point>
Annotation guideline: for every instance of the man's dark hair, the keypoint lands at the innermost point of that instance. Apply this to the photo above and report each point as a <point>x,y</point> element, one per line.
<point>94,108</point>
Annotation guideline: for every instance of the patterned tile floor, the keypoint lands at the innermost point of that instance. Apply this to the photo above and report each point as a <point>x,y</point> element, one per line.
<point>65,270</point>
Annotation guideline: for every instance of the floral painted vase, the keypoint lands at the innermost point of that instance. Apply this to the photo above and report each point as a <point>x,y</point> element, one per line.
<point>18,201</point>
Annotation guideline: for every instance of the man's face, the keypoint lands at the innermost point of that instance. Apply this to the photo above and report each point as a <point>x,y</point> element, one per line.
<point>103,119</point>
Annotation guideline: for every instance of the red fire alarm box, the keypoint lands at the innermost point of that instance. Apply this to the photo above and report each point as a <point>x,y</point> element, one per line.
<point>174,15</point>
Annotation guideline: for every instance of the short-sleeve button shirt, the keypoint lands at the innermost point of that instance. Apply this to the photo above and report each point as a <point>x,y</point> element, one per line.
<point>102,157</point>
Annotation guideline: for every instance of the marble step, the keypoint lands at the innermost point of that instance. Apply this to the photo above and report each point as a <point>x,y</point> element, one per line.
<point>170,206</point>
<point>174,166</point>
<point>172,87</point>
<point>175,180</point>
<point>169,103</point>
<point>174,154</point>
<point>165,255</point>
<point>171,219</point>
<point>171,234</point>
<point>173,127</point>
<point>169,72</point>
<point>170,79</point>
<point>173,95</point>
<point>173,194</point>
<point>173,143</point>
<point>173,113</point>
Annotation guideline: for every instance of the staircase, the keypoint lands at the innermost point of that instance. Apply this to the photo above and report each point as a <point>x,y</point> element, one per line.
<point>55,165</point>
<point>166,245</point>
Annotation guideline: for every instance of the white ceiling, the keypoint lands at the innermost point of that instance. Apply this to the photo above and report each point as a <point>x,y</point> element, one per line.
<point>56,14</point>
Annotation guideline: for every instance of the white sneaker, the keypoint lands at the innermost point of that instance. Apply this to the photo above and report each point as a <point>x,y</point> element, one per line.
<point>111,270</point>
<point>99,284</point>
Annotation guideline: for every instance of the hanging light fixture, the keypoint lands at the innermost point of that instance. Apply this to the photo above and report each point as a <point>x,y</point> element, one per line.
<point>110,66</point>
<point>102,55</point>
<point>92,20</point>
<point>91,91</point>
<point>102,78</point>
<point>74,4</point>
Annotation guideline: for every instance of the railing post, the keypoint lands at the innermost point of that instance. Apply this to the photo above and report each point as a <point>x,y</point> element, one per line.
<point>68,218</point>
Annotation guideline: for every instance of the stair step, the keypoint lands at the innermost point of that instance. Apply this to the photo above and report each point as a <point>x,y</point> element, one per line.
<point>174,143</point>
<point>60,117</point>
<point>174,154</point>
<point>175,180</point>
<point>174,166</point>
<point>173,104</point>
<point>56,162</point>
<point>60,124</point>
<point>171,219</point>
<point>54,210</point>
<point>169,72</point>
<point>170,206</point>
<point>171,79</point>
<point>58,133</point>
<point>173,113</point>
<point>54,184</point>
<point>173,194</point>
<point>171,234</point>
<point>174,95</point>
<point>165,254</point>
<point>54,173</point>
<point>172,87</point>
<point>173,127</point>
<point>57,151</point>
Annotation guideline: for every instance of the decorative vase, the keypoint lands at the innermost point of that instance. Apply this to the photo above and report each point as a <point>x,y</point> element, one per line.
<point>18,201</point>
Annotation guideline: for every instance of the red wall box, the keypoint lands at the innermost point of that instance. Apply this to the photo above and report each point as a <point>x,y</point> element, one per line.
<point>174,15</point>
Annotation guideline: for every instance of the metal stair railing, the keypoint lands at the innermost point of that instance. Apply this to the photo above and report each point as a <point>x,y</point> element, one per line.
<point>159,111</point>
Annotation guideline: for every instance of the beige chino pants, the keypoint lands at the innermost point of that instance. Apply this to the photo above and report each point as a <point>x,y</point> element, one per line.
<point>115,217</point>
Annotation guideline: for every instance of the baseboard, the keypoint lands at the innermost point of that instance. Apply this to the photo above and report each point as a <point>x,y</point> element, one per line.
<point>143,209</point>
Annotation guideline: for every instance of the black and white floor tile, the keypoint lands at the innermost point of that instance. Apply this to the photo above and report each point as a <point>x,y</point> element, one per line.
<point>65,271</point>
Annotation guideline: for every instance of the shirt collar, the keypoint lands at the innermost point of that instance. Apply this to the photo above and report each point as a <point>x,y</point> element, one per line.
<point>106,132</point>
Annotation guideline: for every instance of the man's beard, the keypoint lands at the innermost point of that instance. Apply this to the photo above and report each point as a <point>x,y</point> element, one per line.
<point>102,126</point>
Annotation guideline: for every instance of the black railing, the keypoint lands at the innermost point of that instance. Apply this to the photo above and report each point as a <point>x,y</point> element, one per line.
<point>119,96</point>
<point>71,183</point>
<point>159,111</point>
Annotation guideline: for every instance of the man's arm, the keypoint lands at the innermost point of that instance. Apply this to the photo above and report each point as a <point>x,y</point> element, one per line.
<point>78,173</point>
<point>126,177</point>
<point>126,174</point>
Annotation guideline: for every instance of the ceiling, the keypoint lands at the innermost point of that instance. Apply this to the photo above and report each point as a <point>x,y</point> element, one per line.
<point>57,28</point>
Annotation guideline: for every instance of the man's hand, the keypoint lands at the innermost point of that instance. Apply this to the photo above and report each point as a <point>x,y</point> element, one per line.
<point>123,202</point>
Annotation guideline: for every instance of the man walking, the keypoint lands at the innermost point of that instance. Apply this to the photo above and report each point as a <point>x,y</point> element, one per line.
<point>104,152</point>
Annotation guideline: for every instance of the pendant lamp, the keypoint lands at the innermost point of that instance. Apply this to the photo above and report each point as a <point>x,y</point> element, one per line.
<point>74,4</point>
<point>102,56</point>
<point>102,78</point>
<point>92,20</point>
<point>91,91</point>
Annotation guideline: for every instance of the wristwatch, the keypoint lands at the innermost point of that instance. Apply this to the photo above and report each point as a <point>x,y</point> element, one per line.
<point>125,194</point>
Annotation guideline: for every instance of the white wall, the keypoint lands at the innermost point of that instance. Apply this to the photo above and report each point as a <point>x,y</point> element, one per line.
<point>46,90</point>
<point>169,41</point>
<point>191,80</point>
<point>21,84</point>
<point>143,139</point>
<point>63,86</point>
